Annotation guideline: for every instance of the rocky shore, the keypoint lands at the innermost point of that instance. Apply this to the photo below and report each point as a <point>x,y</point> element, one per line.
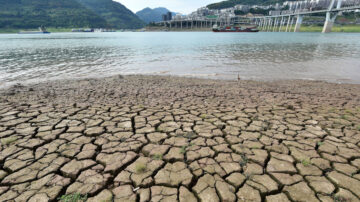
<point>159,138</point>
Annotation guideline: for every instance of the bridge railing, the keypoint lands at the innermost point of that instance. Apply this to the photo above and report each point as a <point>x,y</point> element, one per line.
<point>305,6</point>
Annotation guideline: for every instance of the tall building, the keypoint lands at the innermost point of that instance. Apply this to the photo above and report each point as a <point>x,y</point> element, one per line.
<point>169,16</point>
<point>164,17</point>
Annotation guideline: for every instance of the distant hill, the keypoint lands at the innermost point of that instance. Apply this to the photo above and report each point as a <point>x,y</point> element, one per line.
<point>26,14</point>
<point>231,3</point>
<point>152,15</point>
<point>29,14</point>
<point>117,15</point>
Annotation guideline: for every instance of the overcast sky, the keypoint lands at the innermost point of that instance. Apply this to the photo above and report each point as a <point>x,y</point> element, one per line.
<point>182,6</point>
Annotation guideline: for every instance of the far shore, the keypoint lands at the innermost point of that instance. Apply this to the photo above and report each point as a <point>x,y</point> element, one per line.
<point>304,28</point>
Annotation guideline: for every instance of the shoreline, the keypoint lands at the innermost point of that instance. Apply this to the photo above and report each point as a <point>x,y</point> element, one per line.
<point>7,85</point>
<point>143,138</point>
<point>110,82</point>
<point>304,28</point>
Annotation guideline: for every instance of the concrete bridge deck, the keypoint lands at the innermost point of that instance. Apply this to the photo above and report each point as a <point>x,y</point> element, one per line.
<point>268,23</point>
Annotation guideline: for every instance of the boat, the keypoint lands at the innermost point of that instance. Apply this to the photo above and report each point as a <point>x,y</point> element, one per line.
<point>42,30</point>
<point>104,30</point>
<point>235,29</point>
<point>83,30</point>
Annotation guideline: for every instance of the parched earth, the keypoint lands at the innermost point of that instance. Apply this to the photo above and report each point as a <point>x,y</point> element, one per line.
<point>152,138</point>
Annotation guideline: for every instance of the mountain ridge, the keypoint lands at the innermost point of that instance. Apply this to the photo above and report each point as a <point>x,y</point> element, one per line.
<point>116,14</point>
<point>152,15</point>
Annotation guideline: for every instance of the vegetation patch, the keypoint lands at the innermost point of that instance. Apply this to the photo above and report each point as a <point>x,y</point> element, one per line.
<point>306,162</point>
<point>345,117</point>
<point>320,143</point>
<point>8,140</point>
<point>340,199</point>
<point>190,135</point>
<point>244,160</point>
<point>183,150</point>
<point>140,168</point>
<point>76,197</point>
<point>157,156</point>
<point>290,107</point>
<point>332,110</point>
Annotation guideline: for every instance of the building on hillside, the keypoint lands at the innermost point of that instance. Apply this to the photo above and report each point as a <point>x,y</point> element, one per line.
<point>167,16</point>
<point>243,8</point>
<point>287,7</point>
<point>178,16</point>
<point>272,13</point>
<point>203,11</point>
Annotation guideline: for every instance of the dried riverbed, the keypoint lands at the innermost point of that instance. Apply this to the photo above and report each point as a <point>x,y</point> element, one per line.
<point>142,138</point>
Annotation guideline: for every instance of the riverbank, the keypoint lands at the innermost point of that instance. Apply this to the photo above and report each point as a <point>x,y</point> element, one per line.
<point>147,138</point>
<point>304,28</point>
<point>50,29</point>
<point>336,28</point>
<point>164,29</point>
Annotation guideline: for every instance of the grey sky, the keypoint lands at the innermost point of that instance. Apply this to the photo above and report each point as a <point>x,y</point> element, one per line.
<point>182,6</point>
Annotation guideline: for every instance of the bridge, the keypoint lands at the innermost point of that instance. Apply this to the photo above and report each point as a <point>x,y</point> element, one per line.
<point>194,23</point>
<point>283,21</point>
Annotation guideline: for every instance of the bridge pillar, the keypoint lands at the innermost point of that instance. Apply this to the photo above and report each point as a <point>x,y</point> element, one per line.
<point>291,24</point>
<point>298,23</point>
<point>274,25</point>
<point>288,23</point>
<point>262,22</point>
<point>269,25</point>
<point>281,24</point>
<point>329,22</point>
<point>339,4</point>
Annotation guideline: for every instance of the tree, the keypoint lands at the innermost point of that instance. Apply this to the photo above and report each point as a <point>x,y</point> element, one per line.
<point>239,12</point>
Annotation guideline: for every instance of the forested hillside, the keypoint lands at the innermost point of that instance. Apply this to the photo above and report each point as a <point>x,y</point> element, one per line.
<point>29,14</point>
<point>117,15</point>
<point>50,13</point>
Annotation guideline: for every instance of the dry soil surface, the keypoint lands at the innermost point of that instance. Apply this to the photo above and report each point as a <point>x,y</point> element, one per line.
<point>153,138</point>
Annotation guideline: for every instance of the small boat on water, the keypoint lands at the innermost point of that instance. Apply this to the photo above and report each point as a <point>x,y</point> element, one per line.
<point>83,30</point>
<point>104,30</point>
<point>235,29</point>
<point>42,30</point>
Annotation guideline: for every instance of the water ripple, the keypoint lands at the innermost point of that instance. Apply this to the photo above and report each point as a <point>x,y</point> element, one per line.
<point>32,58</point>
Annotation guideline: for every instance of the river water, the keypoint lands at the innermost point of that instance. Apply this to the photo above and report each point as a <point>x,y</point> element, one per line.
<point>333,57</point>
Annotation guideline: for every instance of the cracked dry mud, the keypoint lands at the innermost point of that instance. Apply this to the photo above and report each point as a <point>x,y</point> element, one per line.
<point>152,138</point>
